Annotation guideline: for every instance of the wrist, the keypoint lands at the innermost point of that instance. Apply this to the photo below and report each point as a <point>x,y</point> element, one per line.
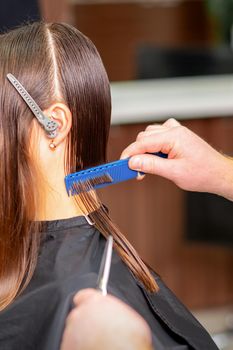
<point>224,185</point>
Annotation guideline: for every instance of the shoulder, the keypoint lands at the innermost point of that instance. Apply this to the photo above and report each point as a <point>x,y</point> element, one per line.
<point>162,306</point>
<point>177,317</point>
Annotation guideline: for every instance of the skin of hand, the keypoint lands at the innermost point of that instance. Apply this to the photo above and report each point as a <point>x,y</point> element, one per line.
<point>104,322</point>
<point>192,163</point>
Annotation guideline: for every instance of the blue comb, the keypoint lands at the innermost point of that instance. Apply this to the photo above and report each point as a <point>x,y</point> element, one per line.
<point>113,172</point>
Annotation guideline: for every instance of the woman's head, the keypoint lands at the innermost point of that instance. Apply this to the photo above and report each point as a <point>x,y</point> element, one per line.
<point>57,63</point>
<point>62,70</point>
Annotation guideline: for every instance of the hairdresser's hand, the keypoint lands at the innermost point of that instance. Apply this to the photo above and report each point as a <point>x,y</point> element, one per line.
<point>192,163</point>
<point>103,323</point>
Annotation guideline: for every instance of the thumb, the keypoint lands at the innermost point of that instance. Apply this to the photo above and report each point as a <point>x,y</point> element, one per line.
<point>151,164</point>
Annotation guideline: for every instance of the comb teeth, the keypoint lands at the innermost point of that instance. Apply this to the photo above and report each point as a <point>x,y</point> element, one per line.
<point>99,180</point>
<point>89,184</point>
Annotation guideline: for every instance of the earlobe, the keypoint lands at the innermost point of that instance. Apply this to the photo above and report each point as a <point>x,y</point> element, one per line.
<point>62,115</point>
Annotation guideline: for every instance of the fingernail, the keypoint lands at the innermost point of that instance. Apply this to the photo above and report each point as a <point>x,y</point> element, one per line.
<point>123,156</point>
<point>136,163</point>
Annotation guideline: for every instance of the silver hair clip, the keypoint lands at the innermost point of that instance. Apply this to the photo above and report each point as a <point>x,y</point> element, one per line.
<point>49,125</point>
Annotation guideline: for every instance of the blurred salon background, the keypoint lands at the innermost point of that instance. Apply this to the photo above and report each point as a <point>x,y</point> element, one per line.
<point>165,58</point>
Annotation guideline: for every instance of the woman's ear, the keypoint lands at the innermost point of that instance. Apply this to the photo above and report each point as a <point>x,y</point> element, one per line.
<point>60,113</point>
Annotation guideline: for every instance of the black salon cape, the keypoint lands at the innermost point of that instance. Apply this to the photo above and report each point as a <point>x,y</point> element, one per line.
<point>69,261</point>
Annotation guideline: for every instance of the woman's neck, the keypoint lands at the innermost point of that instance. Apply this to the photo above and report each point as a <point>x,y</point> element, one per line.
<point>52,201</point>
<point>55,204</point>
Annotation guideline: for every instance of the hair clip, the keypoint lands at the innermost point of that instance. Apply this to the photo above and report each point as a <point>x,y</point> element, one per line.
<point>50,126</point>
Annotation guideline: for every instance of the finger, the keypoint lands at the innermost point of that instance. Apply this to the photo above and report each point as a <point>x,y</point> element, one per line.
<point>147,133</point>
<point>140,176</point>
<point>161,142</point>
<point>128,151</point>
<point>153,127</point>
<point>171,123</point>
<point>151,164</point>
<point>85,295</point>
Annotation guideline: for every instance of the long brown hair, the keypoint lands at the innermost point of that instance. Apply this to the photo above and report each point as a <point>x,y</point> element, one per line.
<point>55,62</point>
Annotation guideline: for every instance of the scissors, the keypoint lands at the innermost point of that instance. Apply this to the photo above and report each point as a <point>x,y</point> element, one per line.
<point>105,265</point>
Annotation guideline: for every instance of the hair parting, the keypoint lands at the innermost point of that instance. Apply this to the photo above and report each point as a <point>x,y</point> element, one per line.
<point>55,70</point>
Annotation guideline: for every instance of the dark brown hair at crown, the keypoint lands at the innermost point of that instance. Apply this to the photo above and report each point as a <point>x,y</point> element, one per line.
<point>54,62</point>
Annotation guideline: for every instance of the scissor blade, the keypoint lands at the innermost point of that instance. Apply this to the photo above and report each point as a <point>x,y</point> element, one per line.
<point>105,265</point>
